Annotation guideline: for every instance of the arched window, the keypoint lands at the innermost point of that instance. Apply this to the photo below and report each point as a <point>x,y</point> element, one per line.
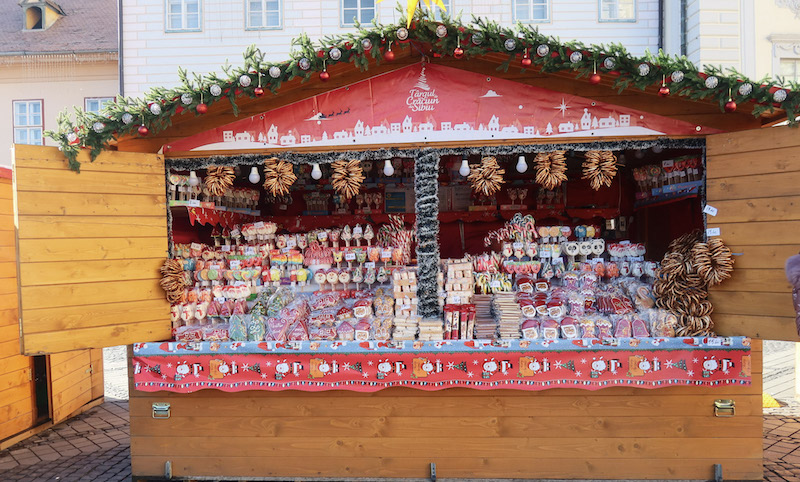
<point>33,18</point>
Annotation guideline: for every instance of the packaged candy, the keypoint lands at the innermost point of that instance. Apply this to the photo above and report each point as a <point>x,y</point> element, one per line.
<point>256,327</point>
<point>569,328</point>
<point>530,329</point>
<point>604,328</point>
<point>362,330</point>
<point>277,329</point>
<point>238,328</point>
<point>324,299</point>
<point>663,323</point>
<point>623,328</point>
<point>588,328</point>
<point>362,308</point>
<point>297,332</point>
<point>189,333</point>
<point>549,329</point>
<point>345,331</point>
<point>322,333</point>
<point>216,332</point>
<point>639,328</point>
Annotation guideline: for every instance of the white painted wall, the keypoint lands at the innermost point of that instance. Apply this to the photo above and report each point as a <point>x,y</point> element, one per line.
<point>151,56</point>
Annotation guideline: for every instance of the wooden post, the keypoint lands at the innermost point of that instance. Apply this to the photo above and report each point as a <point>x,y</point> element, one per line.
<point>426,190</point>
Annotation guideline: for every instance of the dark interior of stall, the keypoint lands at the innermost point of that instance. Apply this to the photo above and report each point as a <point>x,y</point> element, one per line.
<point>655,197</point>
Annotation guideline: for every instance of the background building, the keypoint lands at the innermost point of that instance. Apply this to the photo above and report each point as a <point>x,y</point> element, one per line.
<point>53,56</point>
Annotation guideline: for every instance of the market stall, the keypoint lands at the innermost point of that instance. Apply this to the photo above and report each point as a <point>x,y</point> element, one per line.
<point>371,271</point>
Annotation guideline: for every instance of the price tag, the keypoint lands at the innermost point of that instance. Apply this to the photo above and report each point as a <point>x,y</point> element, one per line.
<point>598,260</point>
<point>285,250</point>
<point>225,248</point>
<point>197,246</point>
<point>712,232</point>
<point>495,285</point>
<point>668,163</point>
<point>626,242</point>
<point>322,235</point>
<point>714,342</point>
<point>259,225</point>
<point>545,251</point>
<point>235,264</point>
<point>710,210</point>
<point>195,203</point>
<point>182,188</point>
<point>558,260</point>
<point>349,256</point>
<point>457,300</point>
<point>220,299</point>
<point>386,253</point>
<point>239,283</point>
<point>235,232</point>
<point>518,245</point>
<point>291,242</point>
<point>250,250</point>
<point>369,264</point>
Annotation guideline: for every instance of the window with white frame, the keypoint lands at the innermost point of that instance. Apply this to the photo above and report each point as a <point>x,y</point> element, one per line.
<point>531,11</point>
<point>790,69</point>
<point>617,10</point>
<point>437,10</point>
<point>183,15</point>
<point>263,14</point>
<point>361,10</point>
<point>96,104</point>
<point>28,122</point>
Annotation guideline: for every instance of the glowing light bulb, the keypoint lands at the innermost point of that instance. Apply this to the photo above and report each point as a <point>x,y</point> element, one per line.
<point>522,166</point>
<point>464,169</point>
<point>388,169</point>
<point>254,177</point>
<point>193,179</point>
<point>657,149</point>
<point>316,172</point>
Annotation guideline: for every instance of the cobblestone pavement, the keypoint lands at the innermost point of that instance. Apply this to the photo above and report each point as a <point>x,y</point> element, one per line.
<point>95,446</point>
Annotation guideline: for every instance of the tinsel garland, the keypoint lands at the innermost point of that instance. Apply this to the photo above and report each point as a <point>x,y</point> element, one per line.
<point>426,189</point>
<point>195,163</point>
<point>155,110</point>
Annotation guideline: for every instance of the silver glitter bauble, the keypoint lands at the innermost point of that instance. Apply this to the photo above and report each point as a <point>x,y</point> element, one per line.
<point>215,90</point>
<point>72,137</point>
<point>712,82</point>
<point>575,57</point>
<point>441,31</point>
<point>677,76</point>
<point>186,98</point>
<point>402,34</point>
<point>477,38</point>
<point>245,80</point>
<point>304,64</point>
<point>644,69</point>
<point>609,63</point>
<point>98,127</point>
<point>745,89</point>
<point>335,53</point>
<point>510,44</point>
<point>127,118</point>
<point>155,108</point>
<point>274,71</point>
<point>542,50</point>
<point>366,44</point>
<point>779,95</point>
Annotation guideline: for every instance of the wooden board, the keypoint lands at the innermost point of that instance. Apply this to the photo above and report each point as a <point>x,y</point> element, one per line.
<point>70,381</point>
<point>614,433</point>
<point>89,243</point>
<point>754,182</point>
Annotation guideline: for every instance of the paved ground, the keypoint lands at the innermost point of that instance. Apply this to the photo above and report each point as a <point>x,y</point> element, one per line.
<point>95,446</point>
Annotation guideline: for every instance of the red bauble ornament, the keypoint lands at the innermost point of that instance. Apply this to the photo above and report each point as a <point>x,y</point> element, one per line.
<point>201,108</point>
<point>324,76</point>
<point>389,55</point>
<point>663,91</point>
<point>143,130</point>
<point>730,106</point>
<point>594,78</point>
<point>458,52</point>
<point>258,91</point>
<point>526,61</point>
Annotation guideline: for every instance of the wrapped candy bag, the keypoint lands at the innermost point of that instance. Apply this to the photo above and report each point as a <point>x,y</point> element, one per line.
<point>238,328</point>
<point>256,327</point>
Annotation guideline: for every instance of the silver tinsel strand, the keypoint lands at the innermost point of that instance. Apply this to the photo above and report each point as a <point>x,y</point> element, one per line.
<point>426,189</point>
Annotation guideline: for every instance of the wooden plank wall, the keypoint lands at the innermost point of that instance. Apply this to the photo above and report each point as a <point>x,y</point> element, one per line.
<point>753,179</point>
<point>17,405</point>
<point>72,382</point>
<point>90,246</point>
<point>559,433</point>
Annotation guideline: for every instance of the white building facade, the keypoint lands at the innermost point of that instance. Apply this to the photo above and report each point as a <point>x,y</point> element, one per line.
<point>201,35</point>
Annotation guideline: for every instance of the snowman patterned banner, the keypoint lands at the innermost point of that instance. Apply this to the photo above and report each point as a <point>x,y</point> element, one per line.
<point>480,364</point>
<point>425,103</point>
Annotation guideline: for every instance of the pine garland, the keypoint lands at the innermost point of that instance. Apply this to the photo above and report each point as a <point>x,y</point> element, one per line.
<point>480,37</point>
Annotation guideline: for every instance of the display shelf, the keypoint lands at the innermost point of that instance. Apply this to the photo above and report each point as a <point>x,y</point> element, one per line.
<point>590,213</point>
<point>663,199</point>
<point>368,366</point>
<point>216,217</point>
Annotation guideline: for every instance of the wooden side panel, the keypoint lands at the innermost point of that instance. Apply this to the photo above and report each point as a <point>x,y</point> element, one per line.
<point>90,245</point>
<point>615,433</point>
<point>753,179</point>
<point>98,388</point>
<point>16,385</point>
<point>70,382</point>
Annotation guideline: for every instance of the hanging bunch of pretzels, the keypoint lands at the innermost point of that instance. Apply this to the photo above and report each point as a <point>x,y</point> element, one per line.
<point>219,179</point>
<point>347,177</point>
<point>173,280</point>
<point>486,177</point>
<point>278,176</point>
<point>689,267</point>
<point>551,169</point>
<point>599,168</point>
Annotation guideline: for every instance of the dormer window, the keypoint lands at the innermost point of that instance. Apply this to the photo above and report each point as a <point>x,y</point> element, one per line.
<point>40,14</point>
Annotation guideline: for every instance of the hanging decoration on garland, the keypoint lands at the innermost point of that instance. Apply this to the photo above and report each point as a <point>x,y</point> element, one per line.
<point>411,8</point>
<point>128,116</point>
<point>599,168</point>
<point>486,177</point>
<point>551,169</point>
<point>219,179</point>
<point>347,177</point>
<point>278,176</point>
<point>173,280</point>
<point>688,269</point>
